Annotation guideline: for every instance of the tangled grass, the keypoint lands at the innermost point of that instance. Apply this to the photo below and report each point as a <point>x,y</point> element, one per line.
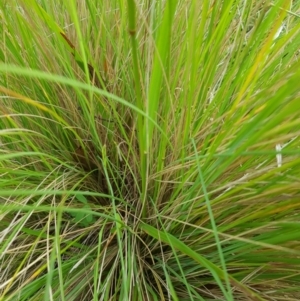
<point>149,150</point>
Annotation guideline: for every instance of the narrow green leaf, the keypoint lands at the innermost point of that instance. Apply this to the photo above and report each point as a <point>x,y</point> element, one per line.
<point>217,273</point>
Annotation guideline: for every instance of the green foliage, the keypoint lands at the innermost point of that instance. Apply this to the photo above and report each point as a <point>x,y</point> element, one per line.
<point>149,150</point>
<point>84,219</point>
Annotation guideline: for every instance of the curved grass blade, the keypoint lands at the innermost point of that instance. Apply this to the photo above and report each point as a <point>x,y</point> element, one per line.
<point>216,272</point>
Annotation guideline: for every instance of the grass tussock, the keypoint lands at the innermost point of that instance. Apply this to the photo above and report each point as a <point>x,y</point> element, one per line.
<point>149,150</point>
